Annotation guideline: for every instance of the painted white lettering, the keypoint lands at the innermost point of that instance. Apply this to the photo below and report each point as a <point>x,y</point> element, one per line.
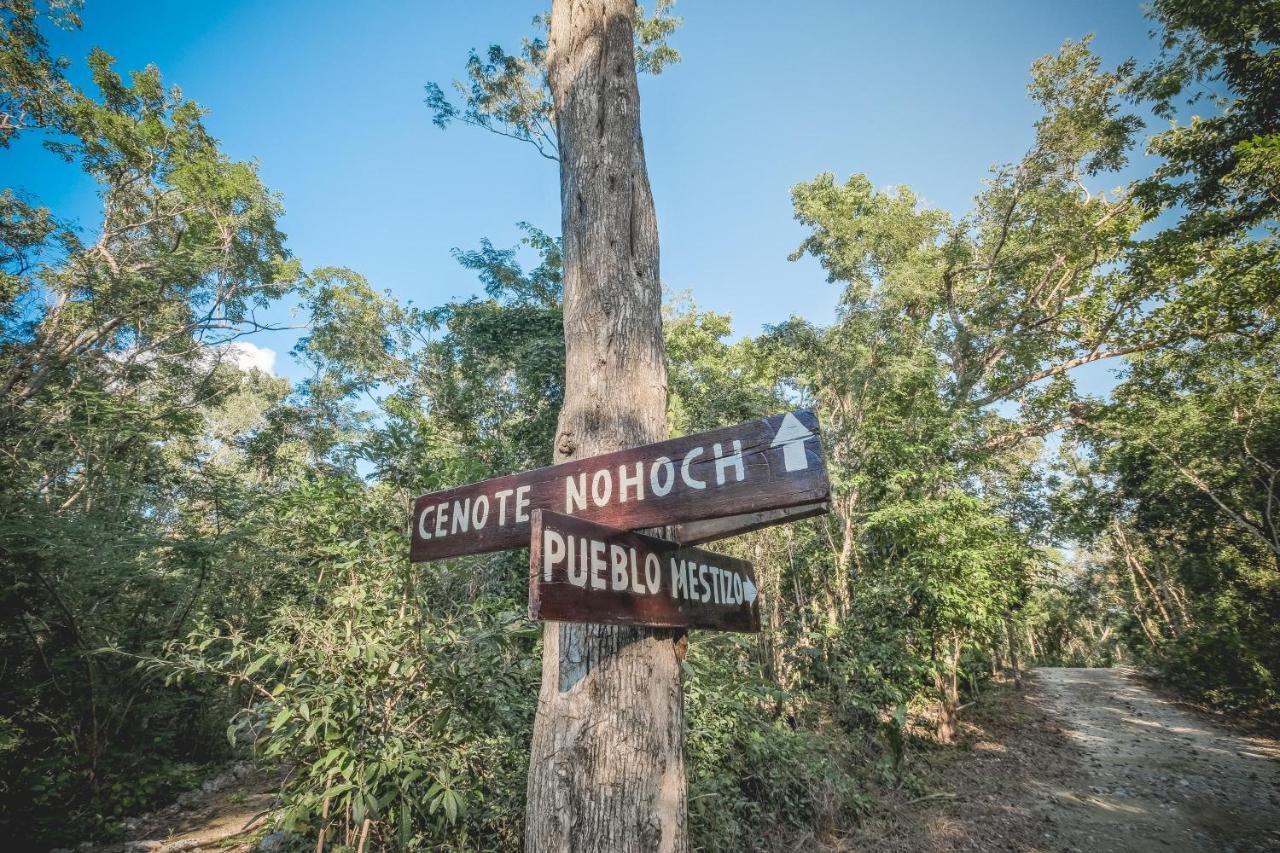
<point>575,494</point>
<point>480,517</point>
<point>618,559</point>
<point>578,567</point>
<point>652,572</point>
<point>601,487</point>
<point>461,515</point>
<point>423,527</point>
<point>689,480</point>
<point>442,519</point>
<point>705,584</point>
<point>522,503</point>
<point>502,506</point>
<point>598,565</point>
<point>636,586</point>
<point>679,580</point>
<point>733,460</point>
<point>625,482</point>
<point>737,588</point>
<point>660,464</point>
<point>552,551</point>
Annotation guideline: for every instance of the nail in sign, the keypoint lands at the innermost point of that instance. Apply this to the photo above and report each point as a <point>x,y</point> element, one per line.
<point>580,571</point>
<point>767,464</point>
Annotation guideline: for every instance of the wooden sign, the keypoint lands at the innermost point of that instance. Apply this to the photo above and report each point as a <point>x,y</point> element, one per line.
<point>746,470</point>
<point>580,571</point>
<point>711,529</point>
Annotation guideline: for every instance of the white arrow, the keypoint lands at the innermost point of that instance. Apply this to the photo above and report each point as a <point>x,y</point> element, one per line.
<point>748,591</point>
<point>792,435</point>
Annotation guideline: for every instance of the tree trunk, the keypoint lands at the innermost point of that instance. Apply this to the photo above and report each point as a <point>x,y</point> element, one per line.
<point>1135,567</point>
<point>606,766</point>
<point>1140,609</point>
<point>1013,651</point>
<point>771,603</point>
<point>947,681</point>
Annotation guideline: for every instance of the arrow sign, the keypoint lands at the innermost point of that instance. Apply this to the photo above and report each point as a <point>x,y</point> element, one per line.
<point>729,475</point>
<point>580,571</point>
<point>791,438</point>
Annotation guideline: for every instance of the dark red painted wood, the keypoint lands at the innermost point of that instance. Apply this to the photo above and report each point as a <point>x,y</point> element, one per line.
<point>776,463</point>
<point>619,578</point>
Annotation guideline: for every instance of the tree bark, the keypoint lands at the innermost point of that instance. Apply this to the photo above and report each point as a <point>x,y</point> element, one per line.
<point>946,679</point>
<point>1013,651</point>
<point>606,766</point>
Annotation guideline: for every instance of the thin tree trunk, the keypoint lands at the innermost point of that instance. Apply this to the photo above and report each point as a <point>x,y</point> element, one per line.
<point>1013,651</point>
<point>771,604</point>
<point>1140,607</point>
<point>1172,604</point>
<point>844,561</point>
<point>1135,566</point>
<point>947,682</point>
<point>606,766</point>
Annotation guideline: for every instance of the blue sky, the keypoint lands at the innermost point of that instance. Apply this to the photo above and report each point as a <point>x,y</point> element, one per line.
<point>327,97</point>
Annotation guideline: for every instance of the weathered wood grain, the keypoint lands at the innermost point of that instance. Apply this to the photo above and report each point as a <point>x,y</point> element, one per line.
<point>711,529</point>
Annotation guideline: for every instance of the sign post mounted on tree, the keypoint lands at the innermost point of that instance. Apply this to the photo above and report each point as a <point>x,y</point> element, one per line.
<point>606,766</point>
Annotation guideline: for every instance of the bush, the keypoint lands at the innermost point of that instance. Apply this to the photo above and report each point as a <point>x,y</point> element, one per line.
<point>405,721</point>
<point>755,776</point>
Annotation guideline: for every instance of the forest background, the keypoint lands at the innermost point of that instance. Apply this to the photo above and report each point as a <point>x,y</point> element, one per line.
<point>200,558</point>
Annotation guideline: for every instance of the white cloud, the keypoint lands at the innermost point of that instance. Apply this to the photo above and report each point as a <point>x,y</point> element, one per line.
<point>249,356</point>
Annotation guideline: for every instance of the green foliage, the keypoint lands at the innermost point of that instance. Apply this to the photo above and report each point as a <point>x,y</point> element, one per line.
<point>1220,168</point>
<point>756,778</point>
<point>1174,484</point>
<point>956,564</point>
<point>404,701</point>
<point>121,409</point>
<point>1188,459</point>
<point>508,94</point>
<point>32,82</point>
<point>186,544</point>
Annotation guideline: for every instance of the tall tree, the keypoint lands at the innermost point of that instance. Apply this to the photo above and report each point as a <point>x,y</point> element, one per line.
<point>606,769</point>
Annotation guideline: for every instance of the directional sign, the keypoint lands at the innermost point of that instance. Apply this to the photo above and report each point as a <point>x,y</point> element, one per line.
<point>745,470</point>
<point>791,437</point>
<point>580,571</point>
<point>711,529</point>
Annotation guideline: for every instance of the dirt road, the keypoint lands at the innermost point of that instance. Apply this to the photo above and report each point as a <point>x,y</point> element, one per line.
<point>1154,777</point>
<point>1083,761</point>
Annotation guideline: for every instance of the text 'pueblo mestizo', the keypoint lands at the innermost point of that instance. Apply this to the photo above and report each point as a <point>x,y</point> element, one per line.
<point>596,564</point>
<point>583,571</point>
